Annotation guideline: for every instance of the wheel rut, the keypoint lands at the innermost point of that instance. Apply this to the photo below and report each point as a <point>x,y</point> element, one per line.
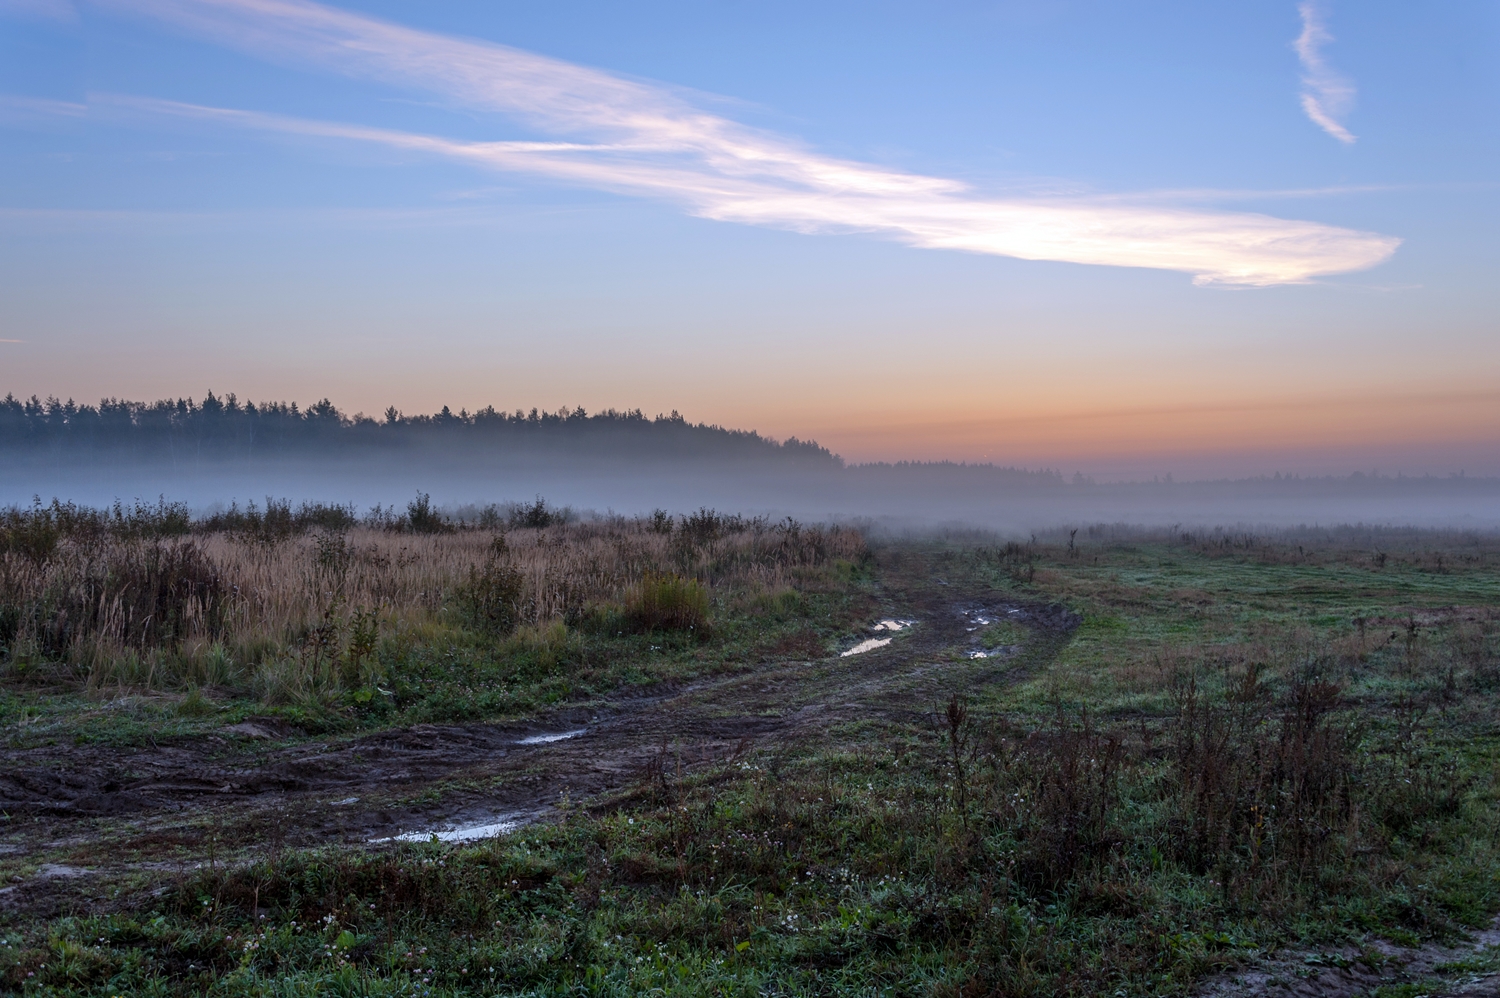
<point>255,792</point>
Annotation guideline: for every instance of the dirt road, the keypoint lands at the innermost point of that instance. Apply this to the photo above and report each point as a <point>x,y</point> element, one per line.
<point>91,810</point>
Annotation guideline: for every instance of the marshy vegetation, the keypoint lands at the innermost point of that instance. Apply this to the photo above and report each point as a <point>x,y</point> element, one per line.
<point>312,604</point>
<point>1228,744</point>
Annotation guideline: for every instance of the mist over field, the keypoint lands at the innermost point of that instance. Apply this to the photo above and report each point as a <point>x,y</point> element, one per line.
<point>1025,520</point>
<point>211,454</point>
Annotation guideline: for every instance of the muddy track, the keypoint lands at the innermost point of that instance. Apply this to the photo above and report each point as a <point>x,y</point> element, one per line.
<point>255,789</point>
<point>1348,972</point>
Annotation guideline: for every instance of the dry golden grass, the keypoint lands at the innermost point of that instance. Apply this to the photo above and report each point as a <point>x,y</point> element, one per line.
<point>287,587</point>
<point>186,610</point>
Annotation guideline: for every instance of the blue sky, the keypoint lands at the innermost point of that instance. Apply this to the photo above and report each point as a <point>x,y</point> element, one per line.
<point>1124,239</point>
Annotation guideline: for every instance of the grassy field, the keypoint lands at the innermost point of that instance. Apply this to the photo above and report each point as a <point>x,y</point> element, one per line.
<point>1106,762</point>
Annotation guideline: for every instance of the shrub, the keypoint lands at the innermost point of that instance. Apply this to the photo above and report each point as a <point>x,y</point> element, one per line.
<point>549,643</point>
<point>536,515</point>
<point>33,534</point>
<point>195,704</point>
<point>489,599</point>
<point>1056,792</point>
<point>140,595</point>
<point>280,521</point>
<point>143,521</point>
<point>1262,782</point>
<point>709,525</point>
<point>424,518</point>
<point>667,603</point>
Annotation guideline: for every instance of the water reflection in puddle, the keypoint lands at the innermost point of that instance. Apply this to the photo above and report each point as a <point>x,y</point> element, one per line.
<point>462,833</point>
<point>977,619</point>
<point>555,736</point>
<point>870,644</point>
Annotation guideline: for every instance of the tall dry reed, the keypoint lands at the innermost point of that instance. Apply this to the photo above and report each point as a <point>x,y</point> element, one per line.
<point>121,607</point>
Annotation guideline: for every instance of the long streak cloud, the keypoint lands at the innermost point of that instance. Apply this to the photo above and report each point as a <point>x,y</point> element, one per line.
<point>635,138</point>
<point>1326,96</point>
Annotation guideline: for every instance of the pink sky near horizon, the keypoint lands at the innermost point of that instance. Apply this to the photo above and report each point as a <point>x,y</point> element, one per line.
<point>1115,241</point>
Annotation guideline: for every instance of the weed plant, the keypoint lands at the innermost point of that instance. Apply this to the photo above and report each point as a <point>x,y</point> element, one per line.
<point>973,855</point>
<point>667,603</point>
<point>309,605</point>
<point>1240,747</point>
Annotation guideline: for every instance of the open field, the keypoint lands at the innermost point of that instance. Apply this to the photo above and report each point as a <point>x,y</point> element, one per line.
<point>242,756</point>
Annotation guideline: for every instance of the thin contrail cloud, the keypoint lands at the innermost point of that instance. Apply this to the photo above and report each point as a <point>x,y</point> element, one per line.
<point>1326,95</point>
<point>641,139</point>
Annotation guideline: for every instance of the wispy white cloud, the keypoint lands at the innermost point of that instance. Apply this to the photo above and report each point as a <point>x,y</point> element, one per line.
<point>637,138</point>
<point>46,10</point>
<point>1219,194</point>
<point>12,105</point>
<point>1326,95</point>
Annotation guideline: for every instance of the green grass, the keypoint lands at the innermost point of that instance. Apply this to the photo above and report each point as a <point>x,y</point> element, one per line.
<point>449,673</point>
<point>1073,831</point>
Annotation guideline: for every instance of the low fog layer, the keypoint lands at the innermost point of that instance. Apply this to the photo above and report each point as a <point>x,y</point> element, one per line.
<point>912,495</point>
<point>213,453</point>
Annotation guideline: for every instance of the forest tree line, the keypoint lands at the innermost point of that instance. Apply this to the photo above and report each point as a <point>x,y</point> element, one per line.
<point>225,428</point>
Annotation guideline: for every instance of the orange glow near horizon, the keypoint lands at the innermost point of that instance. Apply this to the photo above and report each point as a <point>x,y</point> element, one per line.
<point>1286,425</point>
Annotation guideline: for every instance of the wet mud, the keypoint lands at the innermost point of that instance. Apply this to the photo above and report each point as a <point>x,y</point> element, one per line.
<point>1350,973</point>
<point>258,784</point>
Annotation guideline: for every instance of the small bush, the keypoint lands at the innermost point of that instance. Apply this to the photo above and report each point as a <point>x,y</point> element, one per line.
<point>424,518</point>
<point>489,599</point>
<point>709,525</point>
<point>146,522</point>
<point>33,534</point>
<point>536,515</point>
<point>279,522</point>
<point>1056,792</point>
<point>667,603</point>
<point>141,595</point>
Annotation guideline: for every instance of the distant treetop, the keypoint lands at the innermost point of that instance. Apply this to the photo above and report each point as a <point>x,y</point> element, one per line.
<point>226,428</point>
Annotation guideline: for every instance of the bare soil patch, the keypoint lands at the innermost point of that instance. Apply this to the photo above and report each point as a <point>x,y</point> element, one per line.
<point>260,784</point>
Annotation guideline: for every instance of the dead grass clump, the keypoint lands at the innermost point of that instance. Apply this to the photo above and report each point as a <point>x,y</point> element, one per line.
<point>1261,785</point>
<point>489,600</point>
<point>128,601</point>
<point>84,601</point>
<point>1056,793</point>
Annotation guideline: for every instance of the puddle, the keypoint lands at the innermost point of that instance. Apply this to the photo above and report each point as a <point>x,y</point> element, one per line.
<point>556,736</point>
<point>461,833</point>
<point>870,644</point>
<point>977,619</point>
<point>345,802</point>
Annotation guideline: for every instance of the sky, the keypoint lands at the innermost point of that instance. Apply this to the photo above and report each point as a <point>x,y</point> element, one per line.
<point>1122,239</point>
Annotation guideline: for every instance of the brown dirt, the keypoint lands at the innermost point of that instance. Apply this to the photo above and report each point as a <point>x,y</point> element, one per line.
<point>256,785</point>
<point>1349,972</point>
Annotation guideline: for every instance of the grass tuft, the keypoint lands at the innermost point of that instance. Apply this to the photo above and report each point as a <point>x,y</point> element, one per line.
<point>667,603</point>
